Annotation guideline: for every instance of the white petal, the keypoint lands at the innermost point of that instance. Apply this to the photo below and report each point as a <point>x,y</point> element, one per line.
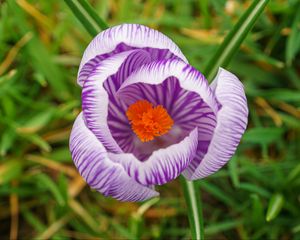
<point>232,121</point>
<point>109,178</point>
<point>96,99</point>
<point>123,38</point>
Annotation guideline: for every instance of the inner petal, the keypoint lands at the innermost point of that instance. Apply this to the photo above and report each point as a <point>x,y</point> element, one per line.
<point>186,109</point>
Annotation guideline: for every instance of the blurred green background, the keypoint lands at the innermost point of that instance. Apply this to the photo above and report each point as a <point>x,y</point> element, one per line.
<point>256,196</point>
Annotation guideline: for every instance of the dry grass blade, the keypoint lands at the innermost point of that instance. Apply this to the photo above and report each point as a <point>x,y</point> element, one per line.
<point>53,165</point>
<point>13,52</point>
<point>54,227</point>
<point>14,212</point>
<point>78,209</point>
<point>207,36</point>
<point>58,135</point>
<point>79,235</point>
<point>289,109</point>
<point>76,186</point>
<point>41,18</point>
<point>269,110</point>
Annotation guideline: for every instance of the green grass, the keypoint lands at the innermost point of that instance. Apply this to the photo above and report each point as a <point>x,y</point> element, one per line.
<point>256,196</point>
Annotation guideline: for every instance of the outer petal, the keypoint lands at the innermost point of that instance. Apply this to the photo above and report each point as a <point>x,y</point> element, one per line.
<point>163,165</point>
<point>96,98</point>
<point>109,178</point>
<point>232,120</point>
<point>123,38</point>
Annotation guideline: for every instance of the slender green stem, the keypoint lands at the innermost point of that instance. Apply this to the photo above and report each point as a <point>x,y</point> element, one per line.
<point>194,207</point>
<point>234,39</point>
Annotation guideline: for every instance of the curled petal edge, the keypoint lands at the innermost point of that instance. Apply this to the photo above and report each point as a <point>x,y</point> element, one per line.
<point>107,177</point>
<point>135,36</point>
<point>232,119</point>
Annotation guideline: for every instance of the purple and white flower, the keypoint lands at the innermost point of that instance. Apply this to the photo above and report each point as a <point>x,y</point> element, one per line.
<point>148,116</point>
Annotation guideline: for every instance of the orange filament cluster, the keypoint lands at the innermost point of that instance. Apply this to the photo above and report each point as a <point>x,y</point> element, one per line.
<point>147,121</point>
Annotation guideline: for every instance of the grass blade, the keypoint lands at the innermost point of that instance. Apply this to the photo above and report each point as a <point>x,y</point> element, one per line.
<point>87,16</point>
<point>92,13</point>
<point>275,206</point>
<point>293,46</point>
<point>234,39</point>
<point>47,182</point>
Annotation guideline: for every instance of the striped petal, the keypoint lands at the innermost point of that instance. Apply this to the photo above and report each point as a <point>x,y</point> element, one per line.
<point>163,165</point>
<point>122,38</point>
<point>100,106</point>
<point>187,109</point>
<point>94,165</point>
<point>232,121</point>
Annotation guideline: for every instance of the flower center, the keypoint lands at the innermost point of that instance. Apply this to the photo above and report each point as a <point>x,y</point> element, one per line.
<point>147,121</point>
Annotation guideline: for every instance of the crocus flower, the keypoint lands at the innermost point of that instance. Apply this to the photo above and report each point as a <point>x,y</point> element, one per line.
<point>148,116</point>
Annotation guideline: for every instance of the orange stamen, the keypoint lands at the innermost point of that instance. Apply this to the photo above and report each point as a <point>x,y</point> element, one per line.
<point>147,121</point>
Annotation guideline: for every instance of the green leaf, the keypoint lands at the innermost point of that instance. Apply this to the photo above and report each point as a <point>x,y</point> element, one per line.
<point>234,39</point>
<point>275,206</point>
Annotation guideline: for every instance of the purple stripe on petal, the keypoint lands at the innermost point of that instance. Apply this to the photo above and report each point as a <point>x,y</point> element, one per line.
<point>163,165</point>
<point>186,96</point>
<point>107,177</point>
<point>99,104</point>
<point>232,120</point>
<point>189,79</point>
<point>126,37</point>
<point>192,112</point>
